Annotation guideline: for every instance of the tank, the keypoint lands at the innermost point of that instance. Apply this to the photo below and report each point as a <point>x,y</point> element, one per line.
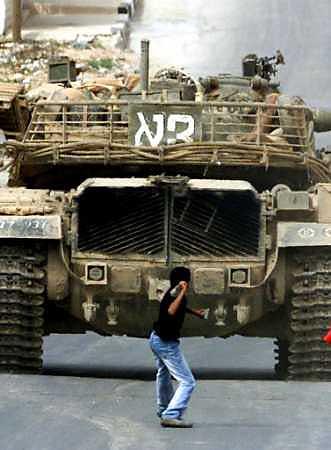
<point>219,174</point>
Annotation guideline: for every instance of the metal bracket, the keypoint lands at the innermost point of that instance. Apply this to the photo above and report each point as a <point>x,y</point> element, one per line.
<point>168,180</point>
<point>221,313</point>
<point>112,312</point>
<point>90,308</point>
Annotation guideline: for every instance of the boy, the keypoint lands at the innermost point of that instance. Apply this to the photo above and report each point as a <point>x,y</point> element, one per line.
<point>170,361</point>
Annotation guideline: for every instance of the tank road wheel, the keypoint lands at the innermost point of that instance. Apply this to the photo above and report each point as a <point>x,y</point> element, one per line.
<point>282,358</point>
<point>310,314</point>
<point>22,291</point>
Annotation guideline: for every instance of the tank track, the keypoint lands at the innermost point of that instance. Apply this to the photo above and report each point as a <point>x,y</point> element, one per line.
<point>22,291</point>
<point>310,315</point>
<point>282,358</point>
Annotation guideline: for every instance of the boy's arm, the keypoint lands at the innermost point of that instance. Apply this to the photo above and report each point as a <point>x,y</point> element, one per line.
<point>196,312</point>
<point>173,308</point>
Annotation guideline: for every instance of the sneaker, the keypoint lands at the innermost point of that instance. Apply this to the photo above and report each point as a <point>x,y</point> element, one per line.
<point>175,423</point>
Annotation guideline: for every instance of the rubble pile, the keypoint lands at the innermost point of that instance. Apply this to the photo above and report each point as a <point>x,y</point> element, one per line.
<point>96,58</point>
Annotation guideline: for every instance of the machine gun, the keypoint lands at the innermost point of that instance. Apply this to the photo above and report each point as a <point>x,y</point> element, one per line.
<point>265,67</point>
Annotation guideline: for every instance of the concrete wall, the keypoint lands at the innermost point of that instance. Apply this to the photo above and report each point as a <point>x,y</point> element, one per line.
<point>76,6</point>
<point>57,7</point>
<point>6,9</point>
<point>5,15</point>
<point>75,2</point>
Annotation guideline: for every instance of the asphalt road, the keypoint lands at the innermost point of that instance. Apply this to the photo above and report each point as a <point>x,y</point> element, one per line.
<point>56,413</point>
<point>120,357</point>
<point>96,394</point>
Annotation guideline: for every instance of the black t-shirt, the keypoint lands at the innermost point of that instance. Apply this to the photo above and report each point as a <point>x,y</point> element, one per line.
<point>168,326</point>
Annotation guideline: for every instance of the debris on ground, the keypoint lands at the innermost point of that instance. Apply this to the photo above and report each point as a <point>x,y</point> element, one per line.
<point>90,68</point>
<point>95,57</point>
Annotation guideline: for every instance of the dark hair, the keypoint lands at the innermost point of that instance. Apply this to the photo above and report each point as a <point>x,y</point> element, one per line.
<point>179,274</point>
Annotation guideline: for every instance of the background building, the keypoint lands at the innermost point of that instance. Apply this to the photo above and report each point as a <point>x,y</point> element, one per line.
<point>5,15</point>
<point>56,7</point>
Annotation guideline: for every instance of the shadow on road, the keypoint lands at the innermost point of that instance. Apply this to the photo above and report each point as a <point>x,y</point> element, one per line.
<point>148,374</point>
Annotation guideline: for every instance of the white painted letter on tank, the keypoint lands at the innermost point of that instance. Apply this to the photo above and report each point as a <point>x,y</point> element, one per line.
<point>186,135</point>
<point>144,129</point>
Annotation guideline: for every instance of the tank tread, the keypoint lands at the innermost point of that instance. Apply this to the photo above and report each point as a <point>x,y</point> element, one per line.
<point>26,288</point>
<point>31,322</point>
<point>23,311</point>
<point>282,353</point>
<point>308,347</point>
<point>320,271</point>
<point>311,357</point>
<point>26,353</point>
<point>20,364</point>
<point>17,341</point>
<point>21,268</point>
<point>22,288</point>
<point>18,298</point>
<point>303,326</point>
<point>27,253</point>
<point>315,336</point>
<point>313,371</point>
<point>316,301</point>
<point>26,333</point>
<point>308,291</point>
<point>316,314</point>
<point>310,316</point>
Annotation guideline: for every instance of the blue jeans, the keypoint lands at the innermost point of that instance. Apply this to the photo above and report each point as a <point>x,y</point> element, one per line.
<point>171,362</point>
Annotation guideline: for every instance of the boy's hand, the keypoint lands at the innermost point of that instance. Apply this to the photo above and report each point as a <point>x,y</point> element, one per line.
<point>183,285</point>
<point>201,312</point>
<point>175,304</point>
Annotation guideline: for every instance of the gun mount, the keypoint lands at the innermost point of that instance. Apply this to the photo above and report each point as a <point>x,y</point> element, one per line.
<point>265,67</point>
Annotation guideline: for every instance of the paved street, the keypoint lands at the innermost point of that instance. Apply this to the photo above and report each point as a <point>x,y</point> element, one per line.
<point>60,413</point>
<point>93,356</point>
<point>99,412</point>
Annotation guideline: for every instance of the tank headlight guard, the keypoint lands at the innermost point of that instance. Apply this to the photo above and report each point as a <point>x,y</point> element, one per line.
<point>239,276</point>
<point>95,273</point>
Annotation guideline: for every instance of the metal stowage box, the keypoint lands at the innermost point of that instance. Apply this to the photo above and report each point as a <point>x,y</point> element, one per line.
<point>61,70</point>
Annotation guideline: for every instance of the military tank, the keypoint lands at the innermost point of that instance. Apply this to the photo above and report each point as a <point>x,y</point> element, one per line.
<point>219,174</point>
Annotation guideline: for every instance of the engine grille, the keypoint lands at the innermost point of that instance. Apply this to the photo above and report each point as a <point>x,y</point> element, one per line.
<point>209,224</point>
<point>129,222</point>
<point>157,223</point>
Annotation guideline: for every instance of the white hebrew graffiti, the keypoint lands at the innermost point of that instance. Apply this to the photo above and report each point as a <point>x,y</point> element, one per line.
<point>153,140</point>
<point>171,123</point>
<point>185,135</point>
